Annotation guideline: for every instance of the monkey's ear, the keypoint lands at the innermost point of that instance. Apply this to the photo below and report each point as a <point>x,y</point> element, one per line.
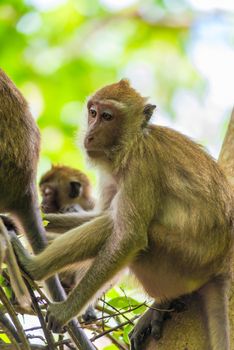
<point>74,189</point>
<point>124,82</point>
<point>148,111</point>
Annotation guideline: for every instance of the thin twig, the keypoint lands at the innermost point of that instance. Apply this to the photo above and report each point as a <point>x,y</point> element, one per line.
<point>15,320</point>
<point>47,333</point>
<point>7,331</point>
<point>32,329</point>
<point>114,308</point>
<point>114,328</point>
<point>120,313</point>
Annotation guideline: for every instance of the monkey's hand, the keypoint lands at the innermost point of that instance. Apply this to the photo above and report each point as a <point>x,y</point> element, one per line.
<point>23,257</point>
<point>75,208</point>
<point>61,223</point>
<point>9,223</point>
<point>55,317</point>
<point>150,324</point>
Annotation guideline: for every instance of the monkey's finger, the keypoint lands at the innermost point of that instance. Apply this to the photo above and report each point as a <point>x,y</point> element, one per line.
<point>132,344</point>
<point>57,328</point>
<point>179,305</point>
<point>53,324</point>
<point>156,329</point>
<point>138,338</point>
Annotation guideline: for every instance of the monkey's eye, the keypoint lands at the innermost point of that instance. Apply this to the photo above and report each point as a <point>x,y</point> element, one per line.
<point>93,112</point>
<point>107,116</point>
<point>75,188</point>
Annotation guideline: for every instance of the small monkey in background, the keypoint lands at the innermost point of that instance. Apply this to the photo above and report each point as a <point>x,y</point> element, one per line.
<point>170,219</point>
<point>65,189</point>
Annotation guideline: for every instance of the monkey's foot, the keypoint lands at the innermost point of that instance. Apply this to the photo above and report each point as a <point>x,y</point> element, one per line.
<point>179,305</point>
<point>55,318</point>
<point>150,324</point>
<point>89,315</point>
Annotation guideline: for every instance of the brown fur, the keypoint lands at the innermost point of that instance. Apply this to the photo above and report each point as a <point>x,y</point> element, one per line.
<point>19,152</point>
<point>170,217</point>
<point>55,188</point>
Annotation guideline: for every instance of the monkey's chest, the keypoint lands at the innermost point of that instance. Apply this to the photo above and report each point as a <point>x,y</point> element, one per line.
<point>161,279</point>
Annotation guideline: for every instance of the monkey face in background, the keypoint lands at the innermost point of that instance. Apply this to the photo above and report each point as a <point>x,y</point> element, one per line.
<point>65,189</point>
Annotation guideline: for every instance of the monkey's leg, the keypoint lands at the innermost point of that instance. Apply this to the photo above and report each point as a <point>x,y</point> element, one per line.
<point>150,324</point>
<point>77,245</point>
<point>69,280</point>
<point>61,223</point>
<point>215,298</point>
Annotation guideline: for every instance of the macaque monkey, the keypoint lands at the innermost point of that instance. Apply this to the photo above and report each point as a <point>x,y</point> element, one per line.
<point>65,189</point>
<point>170,218</point>
<point>19,152</point>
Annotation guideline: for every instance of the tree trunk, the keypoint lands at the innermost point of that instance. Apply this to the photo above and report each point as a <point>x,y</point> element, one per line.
<point>186,330</point>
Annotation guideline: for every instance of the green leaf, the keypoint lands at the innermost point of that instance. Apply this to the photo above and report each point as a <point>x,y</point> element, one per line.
<point>111,347</point>
<point>127,330</point>
<point>2,280</point>
<point>5,338</point>
<point>123,302</point>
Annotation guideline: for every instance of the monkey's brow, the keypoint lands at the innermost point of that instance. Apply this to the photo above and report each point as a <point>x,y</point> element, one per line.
<point>112,102</point>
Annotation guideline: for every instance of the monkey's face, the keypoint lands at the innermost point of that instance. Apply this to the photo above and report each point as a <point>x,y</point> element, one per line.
<point>104,127</point>
<point>58,196</point>
<point>49,195</point>
<point>115,113</point>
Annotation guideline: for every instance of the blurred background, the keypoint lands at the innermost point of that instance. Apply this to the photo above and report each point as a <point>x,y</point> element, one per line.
<point>180,53</point>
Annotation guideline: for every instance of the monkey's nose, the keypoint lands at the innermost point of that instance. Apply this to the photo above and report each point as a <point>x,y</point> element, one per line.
<point>90,139</point>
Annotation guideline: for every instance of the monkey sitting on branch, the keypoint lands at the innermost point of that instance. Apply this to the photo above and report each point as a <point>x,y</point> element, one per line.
<point>19,153</point>
<point>170,219</point>
<point>67,190</point>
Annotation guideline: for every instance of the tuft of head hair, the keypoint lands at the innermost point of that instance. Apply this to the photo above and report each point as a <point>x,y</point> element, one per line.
<point>121,92</point>
<point>65,172</point>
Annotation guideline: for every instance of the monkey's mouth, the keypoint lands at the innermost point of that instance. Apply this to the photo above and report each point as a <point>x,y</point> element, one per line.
<point>95,153</point>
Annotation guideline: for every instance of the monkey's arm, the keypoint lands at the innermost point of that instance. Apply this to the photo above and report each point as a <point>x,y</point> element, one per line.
<point>118,248</point>
<point>61,223</point>
<point>114,254</point>
<point>77,245</point>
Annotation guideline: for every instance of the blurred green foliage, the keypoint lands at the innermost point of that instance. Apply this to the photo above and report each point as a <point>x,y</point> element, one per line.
<point>59,52</point>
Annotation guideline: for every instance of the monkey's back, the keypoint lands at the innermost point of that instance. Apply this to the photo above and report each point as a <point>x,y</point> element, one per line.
<point>19,143</point>
<point>196,200</point>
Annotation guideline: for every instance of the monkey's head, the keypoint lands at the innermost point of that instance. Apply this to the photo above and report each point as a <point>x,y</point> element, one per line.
<point>62,188</point>
<point>115,113</point>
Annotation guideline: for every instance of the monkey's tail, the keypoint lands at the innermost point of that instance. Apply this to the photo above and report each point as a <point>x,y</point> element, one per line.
<point>16,279</point>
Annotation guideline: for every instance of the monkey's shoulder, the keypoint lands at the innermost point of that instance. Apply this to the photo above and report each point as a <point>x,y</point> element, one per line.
<point>183,162</point>
<point>179,148</point>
